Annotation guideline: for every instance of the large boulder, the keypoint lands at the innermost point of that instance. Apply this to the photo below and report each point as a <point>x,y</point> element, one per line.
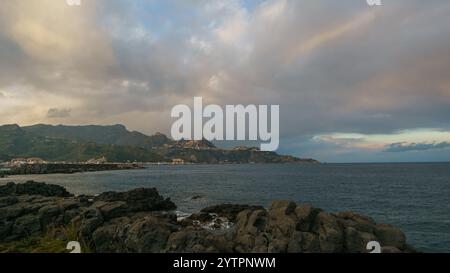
<point>356,240</point>
<point>8,201</point>
<point>110,210</point>
<point>27,225</point>
<point>196,240</point>
<point>390,236</point>
<point>33,188</point>
<point>305,217</point>
<point>140,233</point>
<point>304,242</point>
<point>48,216</point>
<point>139,200</point>
<point>251,222</point>
<point>5,229</point>
<point>357,221</point>
<point>250,231</point>
<point>88,221</point>
<point>110,237</point>
<point>282,220</point>
<point>150,233</point>
<point>330,233</point>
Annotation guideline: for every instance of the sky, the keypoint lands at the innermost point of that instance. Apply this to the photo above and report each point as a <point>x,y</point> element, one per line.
<point>355,83</point>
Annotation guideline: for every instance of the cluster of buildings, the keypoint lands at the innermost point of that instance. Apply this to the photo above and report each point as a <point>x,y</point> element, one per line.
<point>97,161</point>
<point>24,161</point>
<point>17,162</point>
<point>178,161</point>
<point>248,149</point>
<point>191,144</point>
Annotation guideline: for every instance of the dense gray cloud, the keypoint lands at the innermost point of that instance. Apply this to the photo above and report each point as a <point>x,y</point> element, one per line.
<point>58,113</point>
<point>333,66</point>
<point>406,147</point>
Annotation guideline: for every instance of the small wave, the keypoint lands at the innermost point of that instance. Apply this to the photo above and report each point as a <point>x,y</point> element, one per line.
<point>182,215</point>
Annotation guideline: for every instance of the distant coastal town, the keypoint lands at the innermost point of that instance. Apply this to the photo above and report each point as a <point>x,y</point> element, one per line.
<point>24,166</point>
<point>35,165</point>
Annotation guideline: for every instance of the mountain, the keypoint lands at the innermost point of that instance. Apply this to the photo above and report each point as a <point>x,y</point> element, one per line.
<point>17,142</point>
<point>111,135</point>
<point>117,144</point>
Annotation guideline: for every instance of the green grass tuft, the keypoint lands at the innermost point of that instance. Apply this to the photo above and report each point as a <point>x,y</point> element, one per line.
<point>55,241</point>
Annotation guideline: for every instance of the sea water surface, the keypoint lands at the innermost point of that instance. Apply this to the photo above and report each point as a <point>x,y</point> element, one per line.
<point>413,197</point>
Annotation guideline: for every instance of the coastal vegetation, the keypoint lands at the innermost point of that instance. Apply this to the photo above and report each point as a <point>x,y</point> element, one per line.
<point>53,241</point>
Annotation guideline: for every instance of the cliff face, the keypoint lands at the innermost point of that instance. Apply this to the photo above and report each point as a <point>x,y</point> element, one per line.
<point>142,221</point>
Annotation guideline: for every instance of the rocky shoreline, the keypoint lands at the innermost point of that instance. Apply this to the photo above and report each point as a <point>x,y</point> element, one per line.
<point>141,220</point>
<point>67,168</point>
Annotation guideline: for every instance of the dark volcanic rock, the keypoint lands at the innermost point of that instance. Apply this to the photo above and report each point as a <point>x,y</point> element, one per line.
<point>195,240</point>
<point>201,217</point>
<point>33,188</point>
<point>8,201</point>
<point>141,220</point>
<point>229,211</point>
<point>288,227</point>
<point>146,233</point>
<point>139,200</point>
<point>33,208</point>
<point>390,236</point>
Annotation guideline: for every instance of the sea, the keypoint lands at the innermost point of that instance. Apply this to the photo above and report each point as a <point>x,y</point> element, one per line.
<point>414,197</point>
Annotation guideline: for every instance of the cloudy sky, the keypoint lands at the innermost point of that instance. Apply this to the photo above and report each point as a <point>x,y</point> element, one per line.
<point>354,83</point>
